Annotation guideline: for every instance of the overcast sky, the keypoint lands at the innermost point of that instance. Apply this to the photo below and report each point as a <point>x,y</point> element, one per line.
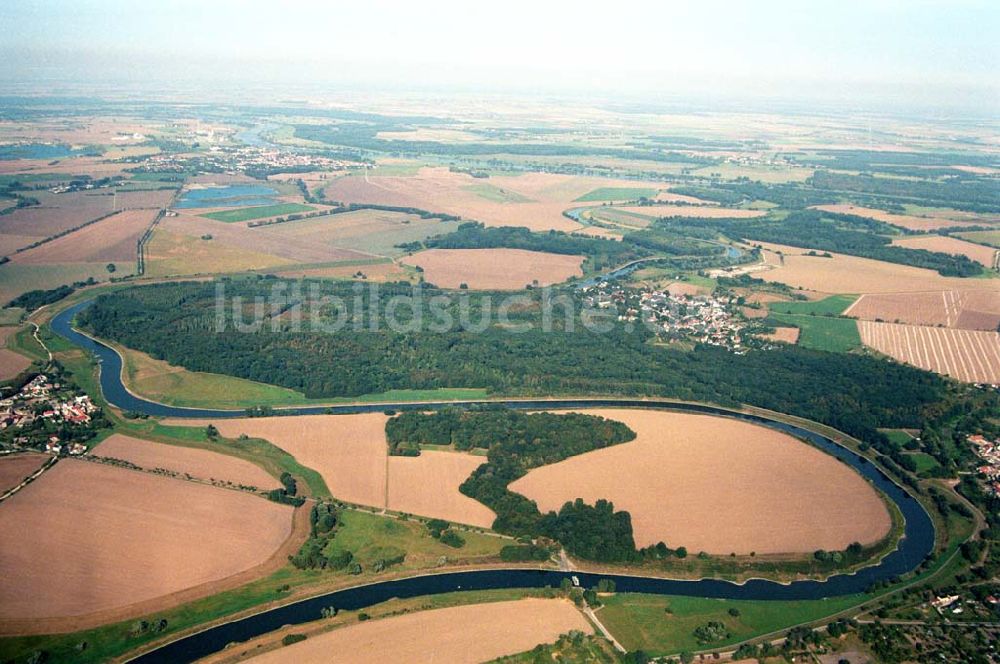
<point>898,49</point>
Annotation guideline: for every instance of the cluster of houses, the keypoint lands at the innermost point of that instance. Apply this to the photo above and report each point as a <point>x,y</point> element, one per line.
<point>237,160</point>
<point>42,401</point>
<point>706,319</point>
<point>989,452</point>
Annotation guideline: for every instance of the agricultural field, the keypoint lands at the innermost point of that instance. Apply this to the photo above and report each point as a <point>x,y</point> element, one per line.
<point>785,335</point>
<point>849,274</point>
<point>197,463</point>
<point>497,194</point>
<point>494,269</point>
<point>991,238</point>
<point>911,222</point>
<point>15,467</point>
<point>124,538</point>
<point>170,253</point>
<point>985,256</point>
<point>546,196</point>
<point>110,240</point>
<point>286,244</point>
<point>365,233</point>
<point>488,631</point>
<point>410,476</point>
<point>836,335</point>
<point>11,363</point>
<point>967,355</point>
<point>611,194</point>
<point>258,212</point>
<point>350,452</point>
<point>668,479</point>
<point>56,213</point>
<point>835,305</point>
<point>969,310</point>
<point>692,211</point>
<point>660,624</point>
<point>371,271</point>
<point>18,278</point>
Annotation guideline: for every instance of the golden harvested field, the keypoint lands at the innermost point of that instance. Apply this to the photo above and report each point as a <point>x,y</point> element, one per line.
<point>966,355</point>
<point>985,256</point>
<point>850,274</point>
<point>95,538</point>
<point>111,239</point>
<point>351,453</point>
<point>15,467</point>
<point>443,472</point>
<point>457,635</point>
<point>373,272</point>
<point>788,335</point>
<point>695,211</point>
<point>907,221</point>
<point>969,310</point>
<point>499,269</point>
<point>11,363</point>
<point>201,464</point>
<point>260,241</point>
<point>169,253</point>
<point>717,485</point>
<point>535,200</point>
<point>148,198</point>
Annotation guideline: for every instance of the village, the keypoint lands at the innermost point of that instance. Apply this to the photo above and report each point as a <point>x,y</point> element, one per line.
<point>989,452</point>
<point>705,319</point>
<point>241,160</point>
<point>48,415</point>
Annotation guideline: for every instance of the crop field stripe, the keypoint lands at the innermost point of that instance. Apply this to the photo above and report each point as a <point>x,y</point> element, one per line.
<point>972,361</point>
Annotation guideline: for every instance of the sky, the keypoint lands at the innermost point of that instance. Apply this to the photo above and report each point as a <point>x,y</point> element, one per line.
<point>918,51</point>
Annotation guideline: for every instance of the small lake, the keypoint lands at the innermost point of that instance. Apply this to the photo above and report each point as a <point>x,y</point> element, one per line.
<point>234,195</point>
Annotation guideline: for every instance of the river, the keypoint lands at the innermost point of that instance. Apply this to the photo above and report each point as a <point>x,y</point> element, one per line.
<point>917,541</point>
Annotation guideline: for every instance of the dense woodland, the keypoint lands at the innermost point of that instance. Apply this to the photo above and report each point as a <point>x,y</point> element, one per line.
<point>473,235</point>
<point>825,231</point>
<point>177,322</point>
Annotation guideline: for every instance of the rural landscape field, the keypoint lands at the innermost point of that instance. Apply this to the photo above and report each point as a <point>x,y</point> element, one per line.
<point>388,332</point>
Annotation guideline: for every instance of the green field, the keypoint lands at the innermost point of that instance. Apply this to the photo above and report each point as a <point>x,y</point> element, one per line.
<point>496,194</point>
<point>661,625</point>
<point>831,306</point>
<point>259,212</point>
<point>371,537</point>
<point>897,437</point>
<point>925,462</point>
<point>990,238</point>
<point>617,194</point>
<point>838,335</point>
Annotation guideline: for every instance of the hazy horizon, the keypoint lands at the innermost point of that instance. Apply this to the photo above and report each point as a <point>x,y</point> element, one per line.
<point>889,53</point>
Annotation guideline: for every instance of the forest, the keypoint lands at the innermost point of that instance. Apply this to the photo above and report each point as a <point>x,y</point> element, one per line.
<point>826,231</point>
<point>176,322</point>
<point>474,235</point>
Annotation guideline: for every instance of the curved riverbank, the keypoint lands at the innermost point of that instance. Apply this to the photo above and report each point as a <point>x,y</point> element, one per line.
<point>917,541</point>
